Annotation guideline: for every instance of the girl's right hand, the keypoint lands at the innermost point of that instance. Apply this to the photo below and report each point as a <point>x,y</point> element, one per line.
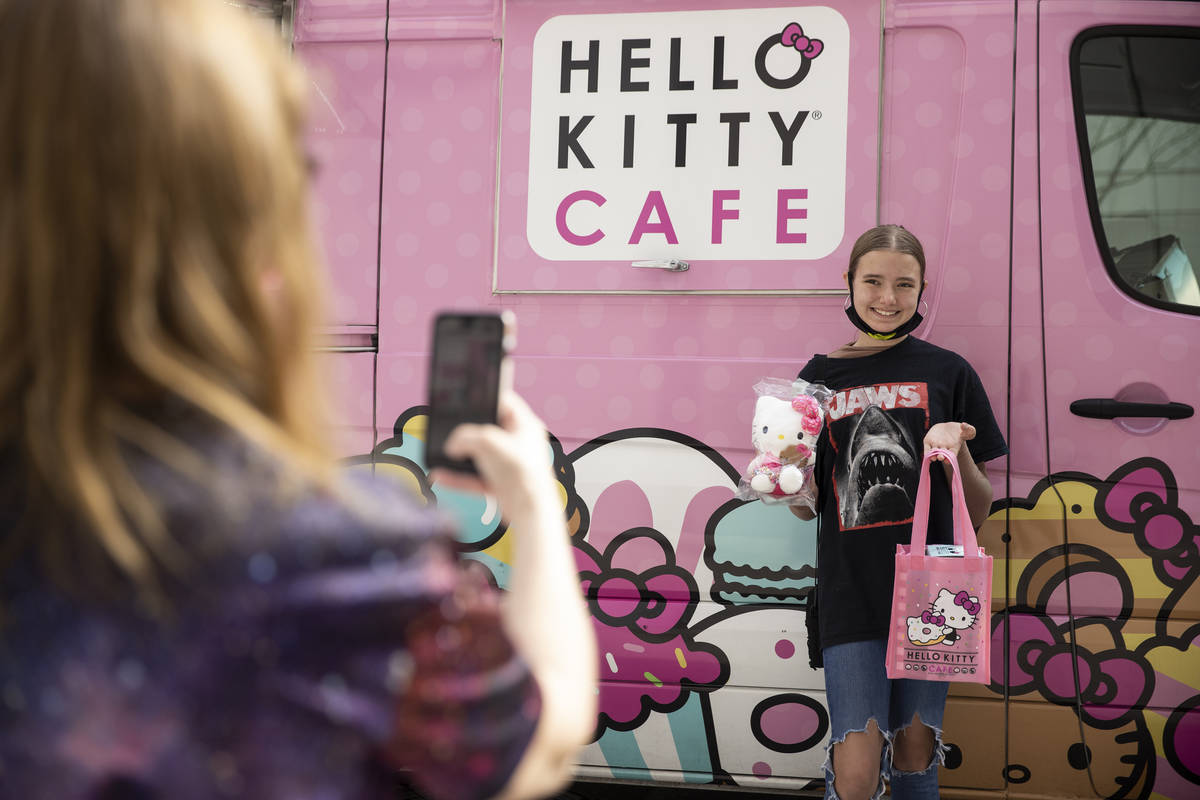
<point>948,436</point>
<point>513,458</point>
<point>544,611</point>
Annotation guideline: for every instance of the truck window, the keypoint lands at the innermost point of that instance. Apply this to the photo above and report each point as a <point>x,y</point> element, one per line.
<point>1137,109</point>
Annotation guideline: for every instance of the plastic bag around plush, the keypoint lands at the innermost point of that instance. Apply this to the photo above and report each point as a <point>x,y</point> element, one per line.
<point>788,418</point>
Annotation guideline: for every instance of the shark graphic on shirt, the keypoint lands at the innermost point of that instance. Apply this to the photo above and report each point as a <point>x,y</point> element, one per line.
<point>877,456</point>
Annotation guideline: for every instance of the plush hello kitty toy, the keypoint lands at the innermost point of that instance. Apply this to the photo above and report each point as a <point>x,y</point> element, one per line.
<point>784,436</point>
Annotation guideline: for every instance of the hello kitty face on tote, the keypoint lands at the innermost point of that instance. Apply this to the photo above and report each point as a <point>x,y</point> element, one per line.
<point>959,610</point>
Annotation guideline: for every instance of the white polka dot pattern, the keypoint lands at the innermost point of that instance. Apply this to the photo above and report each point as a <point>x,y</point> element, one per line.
<point>344,136</point>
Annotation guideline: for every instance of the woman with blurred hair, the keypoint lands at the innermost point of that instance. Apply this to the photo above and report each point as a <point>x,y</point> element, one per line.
<point>194,603</point>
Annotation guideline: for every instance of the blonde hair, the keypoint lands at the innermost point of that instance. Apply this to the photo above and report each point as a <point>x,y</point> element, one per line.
<point>154,248</point>
<point>894,238</point>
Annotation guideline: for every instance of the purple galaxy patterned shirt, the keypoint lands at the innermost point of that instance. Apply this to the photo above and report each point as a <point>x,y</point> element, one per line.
<point>324,639</point>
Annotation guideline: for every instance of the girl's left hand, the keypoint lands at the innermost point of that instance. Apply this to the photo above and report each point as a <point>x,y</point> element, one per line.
<point>948,436</point>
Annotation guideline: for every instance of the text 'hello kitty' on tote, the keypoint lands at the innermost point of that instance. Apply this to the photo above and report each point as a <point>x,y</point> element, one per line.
<point>941,604</point>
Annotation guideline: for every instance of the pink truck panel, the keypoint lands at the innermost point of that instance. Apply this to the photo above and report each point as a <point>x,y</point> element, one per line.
<point>697,159</point>
<point>352,377</point>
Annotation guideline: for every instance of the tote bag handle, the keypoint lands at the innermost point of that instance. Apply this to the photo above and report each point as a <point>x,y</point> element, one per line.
<point>964,532</point>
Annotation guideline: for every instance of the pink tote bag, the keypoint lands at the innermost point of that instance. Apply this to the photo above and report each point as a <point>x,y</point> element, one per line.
<point>941,604</point>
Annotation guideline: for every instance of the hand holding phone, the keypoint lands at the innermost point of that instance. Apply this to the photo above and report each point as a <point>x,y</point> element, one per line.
<point>513,460</point>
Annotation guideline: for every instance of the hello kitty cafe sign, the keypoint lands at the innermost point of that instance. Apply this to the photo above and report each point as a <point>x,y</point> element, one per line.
<point>697,134</point>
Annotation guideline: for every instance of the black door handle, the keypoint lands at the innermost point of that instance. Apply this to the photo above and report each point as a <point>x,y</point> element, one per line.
<point>1107,408</point>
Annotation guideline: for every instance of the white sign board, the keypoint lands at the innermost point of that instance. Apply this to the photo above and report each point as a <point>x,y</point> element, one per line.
<point>695,135</point>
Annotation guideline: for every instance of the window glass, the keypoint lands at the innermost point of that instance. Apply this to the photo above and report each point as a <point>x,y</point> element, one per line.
<point>1138,98</point>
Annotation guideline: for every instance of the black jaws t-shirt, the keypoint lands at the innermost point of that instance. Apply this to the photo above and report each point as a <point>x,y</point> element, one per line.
<point>868,459</point>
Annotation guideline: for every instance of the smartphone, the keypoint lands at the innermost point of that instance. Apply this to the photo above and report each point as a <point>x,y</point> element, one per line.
<point>465,369</point>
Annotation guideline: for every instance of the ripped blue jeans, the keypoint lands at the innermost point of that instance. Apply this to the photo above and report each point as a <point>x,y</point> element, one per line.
<point>858,690</point>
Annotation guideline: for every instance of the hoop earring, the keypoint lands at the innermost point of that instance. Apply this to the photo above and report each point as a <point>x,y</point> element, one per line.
<point>846,304</point>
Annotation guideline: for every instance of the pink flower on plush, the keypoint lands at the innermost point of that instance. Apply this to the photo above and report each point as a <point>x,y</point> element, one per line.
<point>810,410</point>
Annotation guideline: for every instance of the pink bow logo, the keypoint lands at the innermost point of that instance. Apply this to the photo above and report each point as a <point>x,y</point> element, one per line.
<point>929,618</point>
<point>1141,498</point>
<point>793,36</point>
<point>970,606</point>
<point>1041,659</point>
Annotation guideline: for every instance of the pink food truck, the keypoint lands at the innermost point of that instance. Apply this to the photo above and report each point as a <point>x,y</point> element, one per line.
<point>665,194</point>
